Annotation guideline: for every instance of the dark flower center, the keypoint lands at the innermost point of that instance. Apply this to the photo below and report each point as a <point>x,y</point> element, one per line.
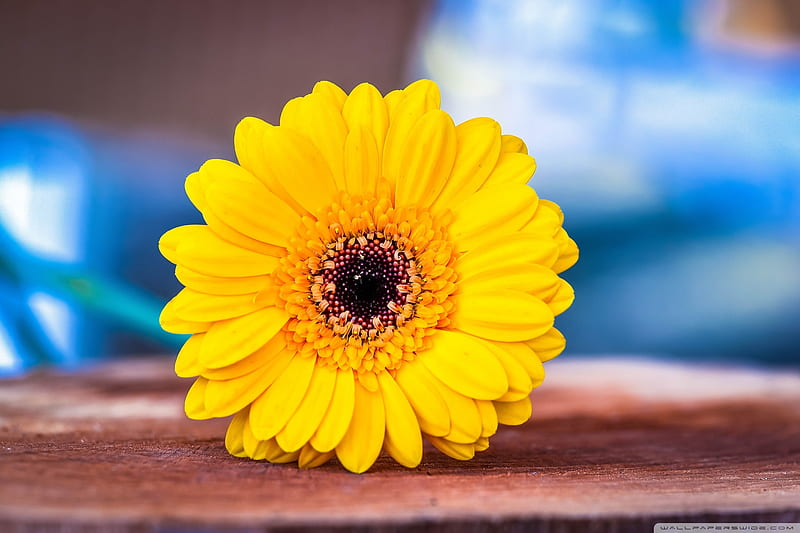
<point>364,282</point>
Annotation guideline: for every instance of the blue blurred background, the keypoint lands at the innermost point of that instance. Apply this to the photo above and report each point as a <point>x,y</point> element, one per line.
<point>668,131</point>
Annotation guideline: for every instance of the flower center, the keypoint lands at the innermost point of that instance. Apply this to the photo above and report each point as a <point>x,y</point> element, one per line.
<point>364,285</point>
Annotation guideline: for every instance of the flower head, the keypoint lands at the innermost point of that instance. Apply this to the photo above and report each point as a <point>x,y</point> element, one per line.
<point>369,274</point>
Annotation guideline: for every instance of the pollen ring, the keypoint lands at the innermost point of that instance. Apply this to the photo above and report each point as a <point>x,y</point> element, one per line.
<point>366,283</point>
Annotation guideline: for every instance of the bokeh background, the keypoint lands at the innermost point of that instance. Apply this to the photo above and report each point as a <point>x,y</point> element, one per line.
<point>668,131</point>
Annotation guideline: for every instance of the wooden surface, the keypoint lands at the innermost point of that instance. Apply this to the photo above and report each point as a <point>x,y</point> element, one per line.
<point>615,445</point>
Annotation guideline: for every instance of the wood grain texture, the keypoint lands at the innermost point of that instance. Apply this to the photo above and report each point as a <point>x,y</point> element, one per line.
<point>615,445</point>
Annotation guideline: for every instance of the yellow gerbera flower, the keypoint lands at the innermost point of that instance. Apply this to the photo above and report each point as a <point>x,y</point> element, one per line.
<point>369,274</point>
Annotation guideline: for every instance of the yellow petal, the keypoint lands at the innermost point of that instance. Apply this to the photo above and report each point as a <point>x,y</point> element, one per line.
<point>221,286</point>
<point>421,390</point>
<point>513,413</point>
<point>491,212</point>
<point>168,243</point>
<point>501,315</point>
<point>274,454</point>
<point>428,87</point>
<point>365,108</point>
<point>548,345</point>
<point>305,422</point>
<point>171,323</point>
<point>285,457</point>
<point>482,444</point>
<point>195,189</point>
<point>248,145</point>
<point>511,169</point>
<point>554,207</point>
<point>427,160</point>
<point>233,437</point>
<point>232,340</point>
<point>331,92</point>
<point>462,452</point>
<point>299,168</point>
<point>187,364</point>
<point>534,279</point>
<point>311,458</point>
<point>272,367</point>
<point>478,146</point>
<point>509,250</point>
<point>363,440</point>
<point>519,382</point>
<point>339,414</point>
<point>247,206</point>
<point>361,162</point>
<point>526,357</point>
<point>269,295</point>
<point>195,403</point>
<point>219,170</point>
<point>416,100</point>
<point>465,424</point>
<point>197,185</point>
<point>254,449</point>
<point>237,238</point>
<point>199,307</point>
<point>488,417</point>
<point>544,223</point>
<point>512,143</point>
<point>262,357</point>
<point>562,299</point>
<point>250,142</point>
<point>196,247</point>
<point>403,438</point>
<point>272,410</point>
<point>567,251</point>
<point>225,397</point>
<point>319,119</point>
<point>466,365</point>
<point>392,99</point>
<point>368,380</point>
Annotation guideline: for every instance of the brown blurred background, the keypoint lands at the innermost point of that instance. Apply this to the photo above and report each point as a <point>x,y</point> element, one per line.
<point>195,65</point>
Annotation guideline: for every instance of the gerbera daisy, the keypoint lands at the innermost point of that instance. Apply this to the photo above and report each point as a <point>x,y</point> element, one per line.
<point>370,274</point>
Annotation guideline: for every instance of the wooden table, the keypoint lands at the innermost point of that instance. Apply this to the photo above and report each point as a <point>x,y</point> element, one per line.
<point>615,445</point>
